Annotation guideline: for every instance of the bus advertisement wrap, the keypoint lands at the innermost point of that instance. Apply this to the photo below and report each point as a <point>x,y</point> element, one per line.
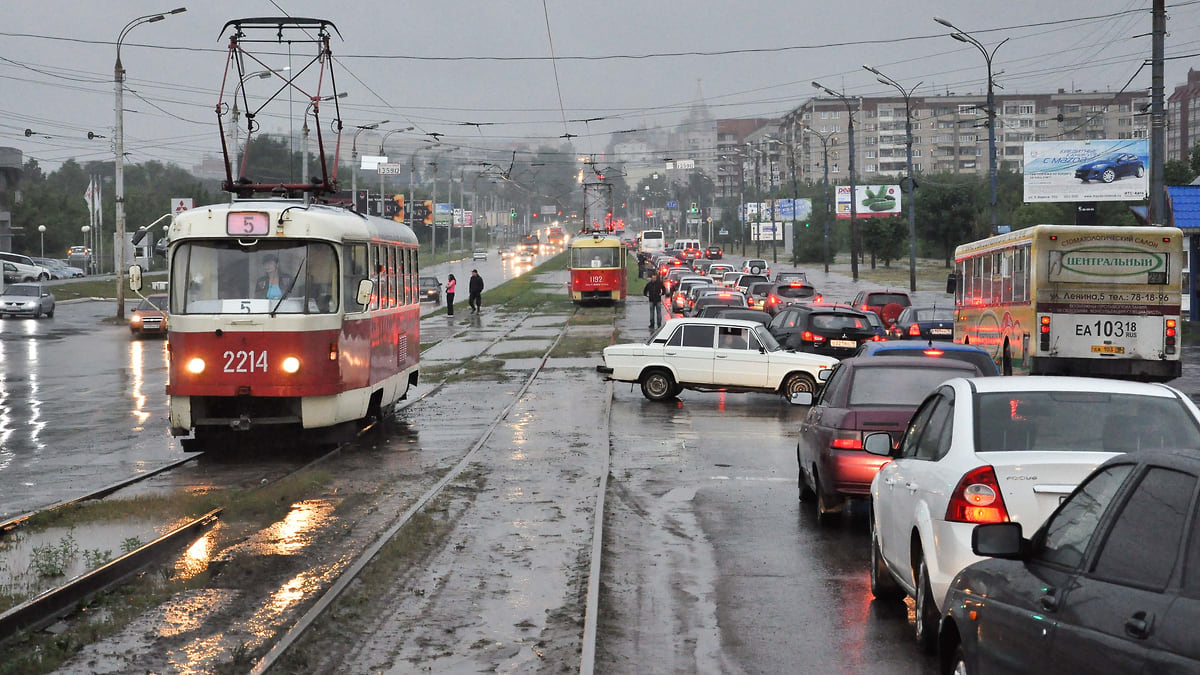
<point>1087,171</point>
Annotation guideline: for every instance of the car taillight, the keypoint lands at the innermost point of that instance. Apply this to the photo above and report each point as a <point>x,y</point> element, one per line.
<point>914,330</point>
<point>879,338</point>
<point>846,439</point>
<point>977,499</point>
<point>934,352</point>
<point>1044,333</point>
<point>1169,335</point>
<point>809,336</point>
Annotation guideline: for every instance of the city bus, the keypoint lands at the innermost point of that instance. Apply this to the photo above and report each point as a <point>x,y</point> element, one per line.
<point>1073,300</point>
<point>596,264</point>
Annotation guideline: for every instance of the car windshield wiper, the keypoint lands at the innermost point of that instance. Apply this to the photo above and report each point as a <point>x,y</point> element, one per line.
<point>288,291</point>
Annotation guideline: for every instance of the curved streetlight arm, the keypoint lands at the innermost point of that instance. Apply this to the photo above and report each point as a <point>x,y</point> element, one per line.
<point>389,133</point>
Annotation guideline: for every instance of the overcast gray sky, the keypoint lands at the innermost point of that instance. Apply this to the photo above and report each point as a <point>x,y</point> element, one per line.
<point>56,63</point>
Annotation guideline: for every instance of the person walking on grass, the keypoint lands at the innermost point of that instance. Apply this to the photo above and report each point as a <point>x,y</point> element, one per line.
<point>654,291</point>
<point>450,284</point>
<point>475,292</point>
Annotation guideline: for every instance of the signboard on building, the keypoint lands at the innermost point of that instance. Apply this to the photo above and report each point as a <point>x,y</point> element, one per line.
<point>370,162</point>
<point>1087,171</point>
<point>871,201</point>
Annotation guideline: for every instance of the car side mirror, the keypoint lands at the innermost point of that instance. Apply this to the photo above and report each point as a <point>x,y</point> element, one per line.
<point>951,283</point>
<point>363,297</point>
<point>824,374</point>
<point>135,278</point>
<point>801,398</point>
<point>999,540</point>
<point>879,443</point>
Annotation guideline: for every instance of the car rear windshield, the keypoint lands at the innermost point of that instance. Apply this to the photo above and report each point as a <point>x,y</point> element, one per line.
<point>898,386</point>
<point>789,291</point>
<point>980,360</point>
<point>830,321</point>
<point>1050,420</point>
<point>935,314</point>
<point>882,299</point>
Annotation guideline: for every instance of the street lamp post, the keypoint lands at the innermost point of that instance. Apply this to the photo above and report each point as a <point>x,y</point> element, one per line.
<point>962,36</point>
<point>119,144</point>
<point>354,155</point>
<point>908,143</point>
<point>382,143</point>
<point>828,202</point>
<point>853,188</point>
<point>42,234</point>
<point>90,266</point>
<point>791,144</point>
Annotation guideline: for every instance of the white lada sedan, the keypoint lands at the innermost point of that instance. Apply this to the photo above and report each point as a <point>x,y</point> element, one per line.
<point>713,355</point>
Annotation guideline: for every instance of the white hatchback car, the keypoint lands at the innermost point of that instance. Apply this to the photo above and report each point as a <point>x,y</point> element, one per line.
<point>713,355</point>
<point>479,254</point>
<point>995,449</point>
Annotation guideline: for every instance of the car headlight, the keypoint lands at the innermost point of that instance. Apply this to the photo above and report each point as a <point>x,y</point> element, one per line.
<point>135,320</point>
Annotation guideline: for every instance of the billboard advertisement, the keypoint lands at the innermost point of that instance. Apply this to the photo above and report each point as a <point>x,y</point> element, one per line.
<point>443,214</point>
<point>1087,171</point>
<point>777,209</point>
<point>872,201</point>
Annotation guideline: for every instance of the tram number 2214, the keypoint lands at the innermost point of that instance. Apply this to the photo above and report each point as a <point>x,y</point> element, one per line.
<point>1107,329</point>
<point>245,361</point>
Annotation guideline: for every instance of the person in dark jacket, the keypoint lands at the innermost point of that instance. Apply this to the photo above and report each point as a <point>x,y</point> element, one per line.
<point>654,291</point>
<point>475,292</point>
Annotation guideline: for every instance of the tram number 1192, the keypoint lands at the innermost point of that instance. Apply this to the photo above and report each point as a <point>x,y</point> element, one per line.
<point>245,361</point>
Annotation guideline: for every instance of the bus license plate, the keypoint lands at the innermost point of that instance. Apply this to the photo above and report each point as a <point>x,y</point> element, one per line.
<point>1107,349</point>
<point>843,344</point>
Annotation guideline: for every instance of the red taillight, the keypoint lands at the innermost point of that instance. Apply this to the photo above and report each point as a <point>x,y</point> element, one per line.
<point>809,336</point>
<point>879,338</point>
<point>773,300</point>
<point>1170,336</point>
<point>846,444</point>
<point>934,352</point>
<point>914,330</point>
<point>977,499</point>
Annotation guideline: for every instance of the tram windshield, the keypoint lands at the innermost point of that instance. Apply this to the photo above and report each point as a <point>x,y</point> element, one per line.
<point>225,277</point>
<point>594,256</point>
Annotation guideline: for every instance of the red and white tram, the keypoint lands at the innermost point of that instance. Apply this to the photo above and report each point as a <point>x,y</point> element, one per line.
<point>596,263</point>
<point>288,316</point>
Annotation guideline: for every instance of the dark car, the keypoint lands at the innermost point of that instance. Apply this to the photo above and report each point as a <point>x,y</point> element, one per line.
<point>972,354</point>
<point>787,277</point>
<point>832,330</point>
<point>728,298</point>
<point>1111,168</point>
<point>714,253</point>
<point>150,316</point>
<point>1107,584</point>
<point>788,293</point>
<point>887,304</point>
<point>731,312</point>
<point>430,289</point>
<point>923,323</point>
<point>861,396</point>
<point>32,300</point>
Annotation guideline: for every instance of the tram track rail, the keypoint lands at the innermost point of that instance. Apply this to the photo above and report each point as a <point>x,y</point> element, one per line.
<point>329,597</point>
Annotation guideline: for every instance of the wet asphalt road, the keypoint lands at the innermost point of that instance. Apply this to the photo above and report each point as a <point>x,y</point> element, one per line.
<point>722,569</point>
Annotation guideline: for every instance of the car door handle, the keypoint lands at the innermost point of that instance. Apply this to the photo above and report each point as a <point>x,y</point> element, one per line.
<point>721,355</point>
<point>670,353</point>
<point>1139,625</point>
<point>889,481</point>
<point>911,486</point>
<point>1049,601</point>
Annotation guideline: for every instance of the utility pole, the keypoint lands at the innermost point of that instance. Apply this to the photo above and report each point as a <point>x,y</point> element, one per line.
<point>1158,145</point>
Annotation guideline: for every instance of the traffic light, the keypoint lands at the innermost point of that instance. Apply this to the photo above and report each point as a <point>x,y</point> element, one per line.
<point>535,214</point>
<point>806,223</point>
<point>649,213</point>
<point>512,213</point>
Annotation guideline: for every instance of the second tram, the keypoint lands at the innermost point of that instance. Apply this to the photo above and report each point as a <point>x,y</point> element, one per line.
<point>596,263</point>
<point>288,316</point>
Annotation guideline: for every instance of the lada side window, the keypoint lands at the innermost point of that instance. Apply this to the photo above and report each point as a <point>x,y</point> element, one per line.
<point>732,338</point>
<point>698,336</point>
<point>1067,534</point>
<point>676,338</point>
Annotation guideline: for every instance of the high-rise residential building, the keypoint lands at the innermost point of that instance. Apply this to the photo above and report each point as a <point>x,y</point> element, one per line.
<point>1183,118</point>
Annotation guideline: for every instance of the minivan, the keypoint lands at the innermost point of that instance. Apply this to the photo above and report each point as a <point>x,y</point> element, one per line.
<point>27,269</point>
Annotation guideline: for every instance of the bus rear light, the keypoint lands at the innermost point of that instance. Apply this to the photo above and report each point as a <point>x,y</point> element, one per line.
<point>1044,336</point>
<point>1170,335</point>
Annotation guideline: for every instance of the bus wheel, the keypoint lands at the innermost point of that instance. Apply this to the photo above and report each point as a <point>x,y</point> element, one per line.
<point>1006,363</point>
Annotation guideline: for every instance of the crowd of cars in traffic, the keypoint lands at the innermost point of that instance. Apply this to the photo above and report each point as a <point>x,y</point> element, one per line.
<point>1014,511</point>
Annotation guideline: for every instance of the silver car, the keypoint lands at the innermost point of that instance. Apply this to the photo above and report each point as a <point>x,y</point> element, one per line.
<point>31,300</point>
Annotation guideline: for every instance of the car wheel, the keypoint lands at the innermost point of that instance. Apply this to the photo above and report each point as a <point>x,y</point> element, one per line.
<point>958,662</point>
<point>43,277</point>
<point>1108,176</point>
<point>806,492</point>
<point>1006,361</point>
<point>926,613</point>
<point>50,314</point>
<point>797,383</point>
<point>883,584</point>
<point>1139,172</point>
<point>658,385</point>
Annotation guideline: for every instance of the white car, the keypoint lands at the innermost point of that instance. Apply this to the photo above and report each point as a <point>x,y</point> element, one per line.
<point>713,355</point>
<point>479,254</point>
<point>757,266</point>
<point>996,449</point>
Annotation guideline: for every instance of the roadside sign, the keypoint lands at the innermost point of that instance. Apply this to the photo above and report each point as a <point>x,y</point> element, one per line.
<point>389,169</point>
<point>671,205</point>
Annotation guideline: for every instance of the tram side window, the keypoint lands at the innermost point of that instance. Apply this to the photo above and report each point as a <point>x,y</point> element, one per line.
<point>406,258</point>
<point>322,278</point>
<point>354,271</point>
<point>376,275</point>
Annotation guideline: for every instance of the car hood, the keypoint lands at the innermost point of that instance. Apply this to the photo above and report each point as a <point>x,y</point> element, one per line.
<point>1095,164</point>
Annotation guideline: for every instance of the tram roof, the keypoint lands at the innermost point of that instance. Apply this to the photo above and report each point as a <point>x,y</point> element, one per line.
<point>341,222</point>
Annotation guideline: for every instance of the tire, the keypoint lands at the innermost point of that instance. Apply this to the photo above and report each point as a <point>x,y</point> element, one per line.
<point>1108,176</point>
<point>806,492</point>
<point>926,614</point>
<point>958,662</point>
<point>797,383</point>
<point>890,313</point>
<point>1006,361</point>
<point>1139,172</point>
<point>43,277</point>
<point>658,385</point>
<point>883,584</point>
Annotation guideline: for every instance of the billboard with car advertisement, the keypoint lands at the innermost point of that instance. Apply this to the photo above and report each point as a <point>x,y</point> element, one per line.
<point>1087,171</point>
<point>873,201</point>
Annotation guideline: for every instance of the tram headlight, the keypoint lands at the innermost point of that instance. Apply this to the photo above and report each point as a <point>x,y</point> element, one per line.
<point>291,364</point>
<point>195,366</point>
